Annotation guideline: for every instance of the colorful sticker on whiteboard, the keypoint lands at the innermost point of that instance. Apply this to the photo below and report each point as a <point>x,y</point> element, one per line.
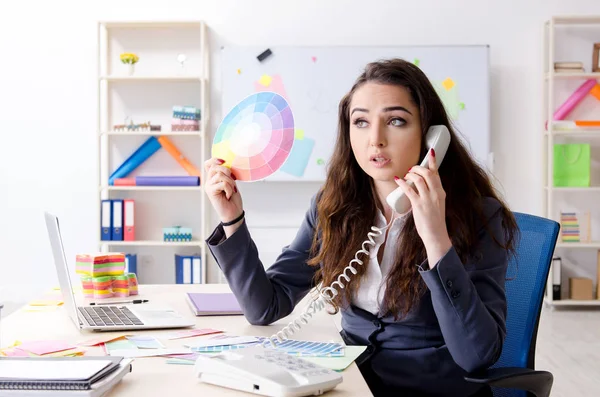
<point>267,83</point>
<point>298,159</point>
<point>448,93</point>
<point>256,137</point>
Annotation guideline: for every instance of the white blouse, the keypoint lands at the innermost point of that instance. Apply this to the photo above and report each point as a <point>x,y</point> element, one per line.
<point>372,286</point>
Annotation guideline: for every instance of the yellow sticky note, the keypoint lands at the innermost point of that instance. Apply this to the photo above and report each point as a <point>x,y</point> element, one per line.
<point>39,308</point>
<point>265,80</point>
<point>448,84</point>
<point>43,302</point>
<point>298,134</point>
<point>239,71</point>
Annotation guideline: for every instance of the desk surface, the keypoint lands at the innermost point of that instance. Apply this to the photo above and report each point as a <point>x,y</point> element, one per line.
<point>152,376</point>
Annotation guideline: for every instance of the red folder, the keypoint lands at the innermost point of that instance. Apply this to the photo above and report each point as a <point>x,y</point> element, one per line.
<point>128,220</point>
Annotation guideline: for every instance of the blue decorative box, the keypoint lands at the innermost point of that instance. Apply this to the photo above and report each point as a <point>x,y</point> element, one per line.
<point>177,233</point>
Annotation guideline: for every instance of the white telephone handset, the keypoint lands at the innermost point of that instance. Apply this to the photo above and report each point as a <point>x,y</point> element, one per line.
<point>438,138</point>
<point>267,371</point>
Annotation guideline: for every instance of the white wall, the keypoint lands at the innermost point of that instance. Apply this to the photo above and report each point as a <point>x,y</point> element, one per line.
<point>48,98</point>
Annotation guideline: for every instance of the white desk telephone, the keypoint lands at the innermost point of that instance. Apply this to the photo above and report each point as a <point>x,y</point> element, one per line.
<point>269,372</point>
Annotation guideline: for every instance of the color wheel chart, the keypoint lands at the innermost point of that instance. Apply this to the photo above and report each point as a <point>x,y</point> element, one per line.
<point>256,137</point>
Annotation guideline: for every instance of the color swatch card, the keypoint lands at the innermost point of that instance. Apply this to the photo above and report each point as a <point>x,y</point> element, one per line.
<point>256,137</point>
<point>309,349</point>
<point>145,342</point>
<point>222,340</point>
<point>190,333</point>
<point>292,347</point>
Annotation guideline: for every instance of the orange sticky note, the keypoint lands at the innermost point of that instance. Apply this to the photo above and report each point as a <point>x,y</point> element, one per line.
<point>595,91</point>
<point>101,339</point>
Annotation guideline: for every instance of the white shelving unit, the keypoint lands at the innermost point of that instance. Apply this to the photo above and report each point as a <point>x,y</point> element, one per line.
<point>158,83</point>
<point>558,134</point>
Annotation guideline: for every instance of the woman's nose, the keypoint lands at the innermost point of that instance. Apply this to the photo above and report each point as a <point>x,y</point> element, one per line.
<point>377,137</point>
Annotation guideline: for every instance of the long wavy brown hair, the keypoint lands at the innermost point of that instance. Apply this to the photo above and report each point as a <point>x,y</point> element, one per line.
<point>347,203</point>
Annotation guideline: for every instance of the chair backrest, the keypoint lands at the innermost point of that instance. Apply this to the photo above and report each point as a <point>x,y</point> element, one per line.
<point>526,282</point>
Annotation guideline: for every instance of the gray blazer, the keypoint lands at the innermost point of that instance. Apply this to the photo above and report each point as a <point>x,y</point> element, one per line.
<point>458,327</point>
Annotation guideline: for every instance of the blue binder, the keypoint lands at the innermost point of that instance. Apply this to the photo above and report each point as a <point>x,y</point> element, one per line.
<point>131,263</point>
<point>106,220</point>
<point>183,269</point>
<point>117,220</point>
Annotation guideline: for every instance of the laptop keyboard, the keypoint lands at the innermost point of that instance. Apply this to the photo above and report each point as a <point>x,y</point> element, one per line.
<point>109,315</point>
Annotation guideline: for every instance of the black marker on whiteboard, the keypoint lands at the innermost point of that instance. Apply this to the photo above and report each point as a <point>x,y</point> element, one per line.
<point>264,55</point>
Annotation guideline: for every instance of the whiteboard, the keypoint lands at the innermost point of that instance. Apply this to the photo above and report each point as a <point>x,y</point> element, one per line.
<point>314,79</point>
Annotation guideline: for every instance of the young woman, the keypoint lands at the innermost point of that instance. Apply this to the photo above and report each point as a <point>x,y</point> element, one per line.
<point>429,300</point>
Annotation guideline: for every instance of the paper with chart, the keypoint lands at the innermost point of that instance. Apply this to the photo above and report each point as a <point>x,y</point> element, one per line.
<point>255,138</point>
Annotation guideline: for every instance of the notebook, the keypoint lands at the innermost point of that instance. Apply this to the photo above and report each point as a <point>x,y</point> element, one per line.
<point>207,304</point>
<point>99,388</point>
<point>58,373</point>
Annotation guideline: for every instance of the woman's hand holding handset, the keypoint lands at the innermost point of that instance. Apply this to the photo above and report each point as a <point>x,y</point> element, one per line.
<point>222,192</point>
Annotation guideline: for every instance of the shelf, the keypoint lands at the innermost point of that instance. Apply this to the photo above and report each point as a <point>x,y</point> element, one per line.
<point>593,244</point>
<point>574,75</point>
<point>154,243</point>
<point>152,24</point>
<point>570,302</point>
<point>155,78</point>
<point>143,133</point>
<point>152,188</point>
<point>580,132</point>
<point>575,189</point>
<point>576,20</point>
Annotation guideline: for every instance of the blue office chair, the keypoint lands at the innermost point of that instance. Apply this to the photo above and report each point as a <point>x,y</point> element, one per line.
<point>514,374</point>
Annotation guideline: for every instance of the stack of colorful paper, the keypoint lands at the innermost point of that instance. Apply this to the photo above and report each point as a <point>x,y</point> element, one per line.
<point>569,224</point>
<point>120,286</point>
<point>88,286</point>
<point>103,287</point>
<point>133,283</point>
<point>185,118</point>
<point>98,265</point>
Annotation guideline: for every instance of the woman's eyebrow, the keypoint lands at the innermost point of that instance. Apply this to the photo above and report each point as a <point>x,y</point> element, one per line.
<point>392,108</point>
<point>359,110</point>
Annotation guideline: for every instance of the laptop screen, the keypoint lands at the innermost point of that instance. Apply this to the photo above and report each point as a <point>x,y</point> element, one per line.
<point>60,261</point>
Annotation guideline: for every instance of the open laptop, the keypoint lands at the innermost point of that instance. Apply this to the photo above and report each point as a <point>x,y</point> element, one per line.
<point>107,317</point>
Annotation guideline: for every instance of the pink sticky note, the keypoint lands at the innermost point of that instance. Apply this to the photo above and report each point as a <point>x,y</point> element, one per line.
<point>314,59</point>
<point>191,333</point>
<point>275,86</point>
<point>14,352</point>
<point>45,346</point>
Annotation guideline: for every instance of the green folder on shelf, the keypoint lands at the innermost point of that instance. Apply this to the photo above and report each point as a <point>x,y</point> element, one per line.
<point>572,165</point>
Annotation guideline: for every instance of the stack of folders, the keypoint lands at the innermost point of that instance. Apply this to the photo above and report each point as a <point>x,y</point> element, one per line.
<point>117,220</point>
<point>61,376</point>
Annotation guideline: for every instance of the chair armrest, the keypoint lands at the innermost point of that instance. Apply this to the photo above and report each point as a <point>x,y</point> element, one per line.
<point>537,382</point>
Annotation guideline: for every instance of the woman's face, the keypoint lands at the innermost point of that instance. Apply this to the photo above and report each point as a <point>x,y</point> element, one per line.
<point>385,130</point>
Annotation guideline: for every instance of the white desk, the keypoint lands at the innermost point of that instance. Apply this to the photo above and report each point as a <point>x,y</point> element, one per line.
<point>152,376</point>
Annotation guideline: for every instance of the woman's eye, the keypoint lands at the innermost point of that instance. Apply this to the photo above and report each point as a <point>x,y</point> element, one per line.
<point>398,122</point>
<point>360,123</point>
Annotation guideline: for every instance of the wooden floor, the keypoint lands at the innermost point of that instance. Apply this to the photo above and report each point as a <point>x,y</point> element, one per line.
<point>568,345</point>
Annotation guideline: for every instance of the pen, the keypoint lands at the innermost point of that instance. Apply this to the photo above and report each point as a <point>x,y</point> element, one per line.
<point>135,302</point>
